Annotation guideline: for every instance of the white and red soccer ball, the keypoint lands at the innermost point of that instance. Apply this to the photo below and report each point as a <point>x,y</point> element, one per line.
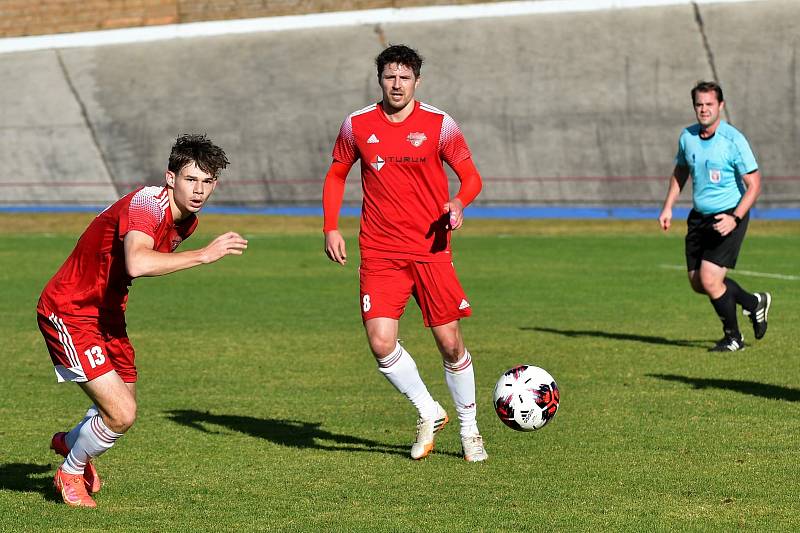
<point>526,398</point>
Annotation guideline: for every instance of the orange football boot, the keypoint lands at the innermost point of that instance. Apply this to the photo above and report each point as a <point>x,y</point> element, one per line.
<point>72,489</point>
<point>90,476</point>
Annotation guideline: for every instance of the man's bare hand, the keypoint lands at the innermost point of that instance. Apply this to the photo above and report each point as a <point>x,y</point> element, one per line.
<point>230,243</point>
<point>456,210</point>
<point>724,224</point>
<point>335,247</point>
<point>665,218</point>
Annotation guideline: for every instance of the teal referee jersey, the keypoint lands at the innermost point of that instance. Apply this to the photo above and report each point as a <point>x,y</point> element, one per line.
<point>717,166</point>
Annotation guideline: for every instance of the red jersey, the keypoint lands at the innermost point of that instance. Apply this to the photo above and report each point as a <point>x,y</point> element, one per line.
<point>93,280</point>
<point>403,179</point>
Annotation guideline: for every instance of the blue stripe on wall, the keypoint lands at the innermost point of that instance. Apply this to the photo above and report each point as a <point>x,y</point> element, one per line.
<point>511,211</point>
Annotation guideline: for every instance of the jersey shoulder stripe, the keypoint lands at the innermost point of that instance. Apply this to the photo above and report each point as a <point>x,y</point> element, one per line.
<point>156,192</point>
<point>450,130</point>
<point>431,109</point>
<point>152,201</point>
<point>363,110</point>
<point>346,130</point>
<point>345,149</point>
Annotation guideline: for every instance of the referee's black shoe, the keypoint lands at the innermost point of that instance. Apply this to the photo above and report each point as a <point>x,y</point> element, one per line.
<point>731,342</point>
<point>759,316</point>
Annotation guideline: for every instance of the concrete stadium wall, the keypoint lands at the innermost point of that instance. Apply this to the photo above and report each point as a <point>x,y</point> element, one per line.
<point>574,108</point>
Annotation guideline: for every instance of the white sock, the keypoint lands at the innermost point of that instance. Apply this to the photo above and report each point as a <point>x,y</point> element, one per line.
<point>460,379</point>
<point>72,436</point>
<point>401,371</point>
<point>93,439</point>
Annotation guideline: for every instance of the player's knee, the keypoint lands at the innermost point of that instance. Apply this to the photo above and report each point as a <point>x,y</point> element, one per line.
<point>452,350</point>
<point>711,285</point>
<point>122,420</point>
<point>382,346</point>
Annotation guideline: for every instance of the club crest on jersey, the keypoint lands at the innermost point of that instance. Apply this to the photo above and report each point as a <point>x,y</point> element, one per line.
<point>715,176</point>
<point>416,139</point>
<point>377,162</point>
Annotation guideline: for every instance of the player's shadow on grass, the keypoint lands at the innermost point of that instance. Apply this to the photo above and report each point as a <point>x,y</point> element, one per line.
<point>649,339</point>
<point>753,388</point>
<point>291,433</point>
<point>28,477</point>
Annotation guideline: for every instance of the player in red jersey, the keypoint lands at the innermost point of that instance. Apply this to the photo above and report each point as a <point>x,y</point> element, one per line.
<point>81,311</point>
<point>406,219</point>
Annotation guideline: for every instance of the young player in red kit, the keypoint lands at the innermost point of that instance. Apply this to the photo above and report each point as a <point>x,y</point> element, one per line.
<point>406,219</point>
<point>81,310</point>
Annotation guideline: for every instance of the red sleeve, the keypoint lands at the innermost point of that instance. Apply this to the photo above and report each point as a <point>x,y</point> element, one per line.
<point>471,183</point>
<point>145,213</point>
<point>333,194</point>
<point>345,149</point>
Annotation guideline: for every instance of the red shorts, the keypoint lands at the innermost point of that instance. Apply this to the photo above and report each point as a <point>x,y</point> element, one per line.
<point>386,285</point>
<point>83,349</point>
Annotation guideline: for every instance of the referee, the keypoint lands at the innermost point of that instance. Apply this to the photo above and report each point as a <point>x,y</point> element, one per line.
<point>725,184</point>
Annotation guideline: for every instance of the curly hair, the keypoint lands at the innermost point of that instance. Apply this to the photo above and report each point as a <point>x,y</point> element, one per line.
<point>194,148</point>
<point>402,55</point>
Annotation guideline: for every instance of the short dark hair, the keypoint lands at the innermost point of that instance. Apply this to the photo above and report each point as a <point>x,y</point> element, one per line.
<point>707,87</point>
<point>198,149</point>
<point>402,55</point>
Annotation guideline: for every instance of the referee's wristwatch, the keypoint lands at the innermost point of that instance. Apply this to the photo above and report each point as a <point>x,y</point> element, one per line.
<point>737,218</point>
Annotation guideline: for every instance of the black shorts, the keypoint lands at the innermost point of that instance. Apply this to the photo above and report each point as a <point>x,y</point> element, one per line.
<point>704,243</point>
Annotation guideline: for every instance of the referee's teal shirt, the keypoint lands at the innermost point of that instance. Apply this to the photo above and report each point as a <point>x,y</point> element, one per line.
<point>716,165</point>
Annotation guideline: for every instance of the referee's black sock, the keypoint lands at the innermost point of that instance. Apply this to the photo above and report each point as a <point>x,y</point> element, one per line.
<point>742,297</point>
<point>725,306</point>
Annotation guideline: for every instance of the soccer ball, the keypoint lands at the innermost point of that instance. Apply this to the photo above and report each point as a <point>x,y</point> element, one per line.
<point>526,398</point>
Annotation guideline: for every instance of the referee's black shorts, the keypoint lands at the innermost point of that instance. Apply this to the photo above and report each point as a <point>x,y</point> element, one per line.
<point>703,242</point>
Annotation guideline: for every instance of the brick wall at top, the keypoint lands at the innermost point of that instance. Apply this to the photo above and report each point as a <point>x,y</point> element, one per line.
<point>41,17</point>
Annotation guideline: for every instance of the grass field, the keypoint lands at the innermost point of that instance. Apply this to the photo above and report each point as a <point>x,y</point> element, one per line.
<point>260,407</point>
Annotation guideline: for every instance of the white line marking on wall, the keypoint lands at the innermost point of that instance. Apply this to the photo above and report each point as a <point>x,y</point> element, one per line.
<point>329,20</point>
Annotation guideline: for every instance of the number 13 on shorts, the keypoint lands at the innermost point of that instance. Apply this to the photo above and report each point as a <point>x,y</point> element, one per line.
<point>95,356</point>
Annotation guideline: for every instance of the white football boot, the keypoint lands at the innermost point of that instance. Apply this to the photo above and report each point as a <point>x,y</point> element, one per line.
<point>426,432</point>
<point>474,452</point>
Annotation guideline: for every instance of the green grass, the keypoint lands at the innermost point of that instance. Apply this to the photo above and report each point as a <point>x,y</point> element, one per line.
<point>260,407</point>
